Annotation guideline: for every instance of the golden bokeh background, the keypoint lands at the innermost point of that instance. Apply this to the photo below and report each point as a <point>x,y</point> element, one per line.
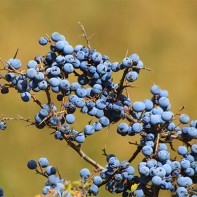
<point>163,33</point>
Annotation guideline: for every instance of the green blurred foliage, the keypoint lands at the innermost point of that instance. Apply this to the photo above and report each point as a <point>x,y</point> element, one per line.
<point>163,33</point>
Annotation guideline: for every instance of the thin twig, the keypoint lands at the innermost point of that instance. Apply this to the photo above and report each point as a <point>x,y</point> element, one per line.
<point>142,68</point>
<point>3,118</point>
<point>16,53</point>
<point>85,35</point>
<point>135,144</point>
<point>104,152</point>
<point>36,100</point>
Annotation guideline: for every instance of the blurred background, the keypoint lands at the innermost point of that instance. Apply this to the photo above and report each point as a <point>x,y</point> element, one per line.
<point>163,33</point>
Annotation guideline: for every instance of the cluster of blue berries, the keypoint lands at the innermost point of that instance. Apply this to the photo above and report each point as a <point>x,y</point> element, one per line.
<point>117,178</point>
<point>94,93</point>
<point>166,173</point>
<point>53,185</point>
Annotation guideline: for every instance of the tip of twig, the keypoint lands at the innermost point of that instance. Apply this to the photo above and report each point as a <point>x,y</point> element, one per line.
<point>16,53</point>
<point>127,51</point>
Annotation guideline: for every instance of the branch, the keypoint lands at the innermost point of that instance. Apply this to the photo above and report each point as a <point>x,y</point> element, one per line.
<point>48,95</point>
<point>130,118</point>
<point>3,118</point>
<point>157,143</point>
<point>155,191</point>
<point>120,88</point>
<point>139,148</point>
<point>77,148</point>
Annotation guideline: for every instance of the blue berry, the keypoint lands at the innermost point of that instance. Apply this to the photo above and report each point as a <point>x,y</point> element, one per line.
<point>167,168</point>
<point>97,89</point>
<point>194,149</point>
<point>138,106</point>
<point>163,155</point>
<point>182,192</point>
<point>50,170</point>
<point>97,180</point>
<point>31,73</point>
<point>65,128</point>
<point>43,41</point>
<point>185,164</point>
<point>68,68</point>
<point>44,162</point>
<point>80,138</point>
<point>26,96</point>
<point>156,180</point>
<point>182,150</point>
<point>93,189</point>
<point>32,64</point>
<point>163,93</point>
<point>81,92</point>
<point>134,57</point>
<point>192,132</point>
<point>190,172</point>
<point>122,128</point>
<point>167,116</point>
<point>144,171</point>
<point>104,121</point>
<point>80,102</point>
<point>184,118</point>
<point>15,63</point>
<point>147,150</point>
<point>85,173</point>
<point>68,49</point>
<point>164,102</point>
<point>101,69</point>
<point>88,129</point>
<point>61,44</point>
<point>193,123</point>
<point>155,89</point>
<point>155,119</point>
<point>97,126</point>
<point>53,179</point>
<point>70,118</point>
<point>32,164</point>
<point>137,127</point>
<point>127,62</point>
<point>55,120</point>
<point>96,57</point>
<point>163,147</point>
<point>2,125</point>
<point>131,76</point>
<point>138,192</point>
<point>148,105</point>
